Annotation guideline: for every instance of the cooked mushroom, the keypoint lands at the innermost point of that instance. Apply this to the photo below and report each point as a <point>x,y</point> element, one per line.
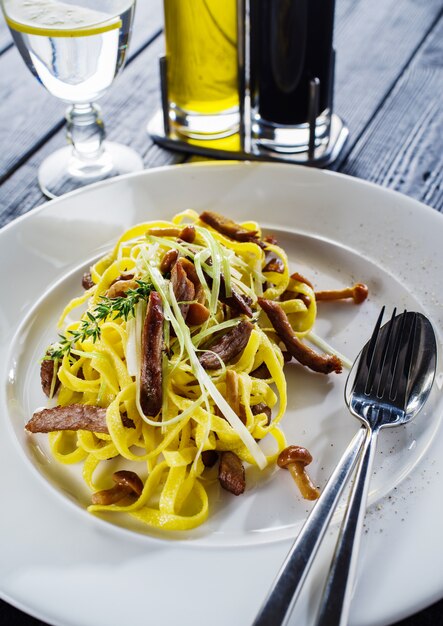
<point>359,293</point>
<point>228,227</point>
<point>231,473</point>
<point>87,281</point>
<point>168,261</point>
<point>127,483</point>
<point>276,265</point>
<point>209,458</point>
<point>322,363</point>
<point>197,314</point>
<point>120,287</point>
<point>295,459</point>
<point>302,279</point>
<point>261,407</point>
<point>187,233</point>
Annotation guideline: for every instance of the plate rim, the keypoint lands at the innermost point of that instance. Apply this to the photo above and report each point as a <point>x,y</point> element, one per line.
<point>33,213</point>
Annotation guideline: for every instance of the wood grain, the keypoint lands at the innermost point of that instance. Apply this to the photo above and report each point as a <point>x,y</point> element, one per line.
<point>402,146</point>
<point>29,116</point>
<point>375,41</point>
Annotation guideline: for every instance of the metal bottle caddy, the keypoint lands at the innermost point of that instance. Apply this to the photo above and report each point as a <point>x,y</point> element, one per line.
<point>243,145</point>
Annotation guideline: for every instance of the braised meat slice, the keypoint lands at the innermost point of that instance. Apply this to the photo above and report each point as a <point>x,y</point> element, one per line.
<point>184,289</point>
<point>70,417</point>
<point>151,357</point>
<point>238,302</point>
<point>231,473</point>
<point>228,227</point>
<point>47,373</point>
<point>322,363</point>
<point>227,347</point>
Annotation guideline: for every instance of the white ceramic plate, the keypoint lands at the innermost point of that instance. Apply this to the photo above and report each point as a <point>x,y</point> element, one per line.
<point>67,567</point>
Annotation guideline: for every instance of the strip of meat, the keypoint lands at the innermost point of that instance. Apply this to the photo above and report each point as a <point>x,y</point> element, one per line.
<point>236,301</point>
<point>47,373</point>
<point>231,473</point>
<point>228,227</point>
<point>151,357</point>
<point>228,346</point>
<point>184,289</point>
<point>191,273</point>
<point>322,363</point>
<point>70,417</point>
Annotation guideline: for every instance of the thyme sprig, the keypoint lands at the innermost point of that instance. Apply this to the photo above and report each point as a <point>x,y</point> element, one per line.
<point>107,308</point>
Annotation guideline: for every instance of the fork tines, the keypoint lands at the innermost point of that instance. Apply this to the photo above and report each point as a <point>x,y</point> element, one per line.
<point>385,361</point>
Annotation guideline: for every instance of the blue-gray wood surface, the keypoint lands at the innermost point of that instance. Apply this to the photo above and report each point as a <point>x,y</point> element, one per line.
<point>389,89</point>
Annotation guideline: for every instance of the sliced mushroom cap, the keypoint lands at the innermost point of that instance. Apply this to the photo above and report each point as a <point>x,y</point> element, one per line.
<point>126,478</point>
<point>231,473</point>
<point>127,483</point>
<point>293,454</point>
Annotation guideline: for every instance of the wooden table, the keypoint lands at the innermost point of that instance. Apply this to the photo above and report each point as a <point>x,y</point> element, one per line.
<point>389,89</point>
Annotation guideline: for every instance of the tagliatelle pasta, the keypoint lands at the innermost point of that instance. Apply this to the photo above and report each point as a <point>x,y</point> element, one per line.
<point>213,399</point>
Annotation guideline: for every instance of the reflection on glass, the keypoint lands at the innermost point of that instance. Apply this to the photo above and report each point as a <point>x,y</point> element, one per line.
<point>76,49</point>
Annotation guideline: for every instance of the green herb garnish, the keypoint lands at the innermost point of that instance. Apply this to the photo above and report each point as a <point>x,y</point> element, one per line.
<point>113,308</point>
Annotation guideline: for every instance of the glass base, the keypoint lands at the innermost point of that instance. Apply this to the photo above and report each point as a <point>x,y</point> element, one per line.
<point>62,171</point>
<point>290,138</point>
<point>204,125</point>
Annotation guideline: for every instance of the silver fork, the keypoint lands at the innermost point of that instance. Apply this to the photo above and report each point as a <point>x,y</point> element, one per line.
<point>379,394</point>
<point>381,397</point>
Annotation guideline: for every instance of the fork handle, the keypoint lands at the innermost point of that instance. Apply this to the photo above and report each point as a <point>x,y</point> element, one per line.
<point>337,593</point>
<point>289,581</point>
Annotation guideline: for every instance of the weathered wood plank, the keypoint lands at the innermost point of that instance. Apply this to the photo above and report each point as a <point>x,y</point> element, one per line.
<point>28,114</point>
<point>128,107</point>
<point>402,147</point>
<point>375,40</point>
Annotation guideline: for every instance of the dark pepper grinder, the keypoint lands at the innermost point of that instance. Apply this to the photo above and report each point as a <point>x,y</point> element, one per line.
<point>291,73</point>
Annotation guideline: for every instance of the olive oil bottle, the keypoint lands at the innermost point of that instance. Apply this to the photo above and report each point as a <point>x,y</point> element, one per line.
<point>202,74</point>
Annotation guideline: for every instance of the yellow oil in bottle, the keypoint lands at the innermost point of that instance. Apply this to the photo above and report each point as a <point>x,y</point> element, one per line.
<point>201,52</point>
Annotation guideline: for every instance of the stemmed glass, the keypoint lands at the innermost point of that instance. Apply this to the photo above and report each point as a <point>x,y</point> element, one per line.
<point>75,49</point>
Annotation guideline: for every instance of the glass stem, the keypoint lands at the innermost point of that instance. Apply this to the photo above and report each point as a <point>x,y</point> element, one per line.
<point>85,131</point>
